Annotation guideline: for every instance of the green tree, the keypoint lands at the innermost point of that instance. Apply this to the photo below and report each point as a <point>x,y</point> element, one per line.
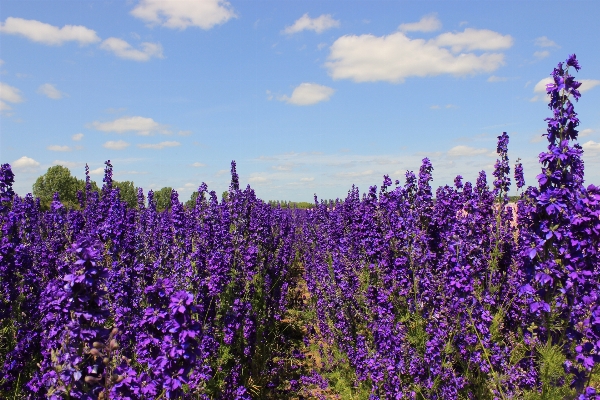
<point>163,198</point>
<point>191,203</point>
<point>128,192</point>
<point>58,179</point>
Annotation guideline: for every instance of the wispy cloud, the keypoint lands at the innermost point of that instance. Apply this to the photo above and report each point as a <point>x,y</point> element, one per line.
<point>158,146</point>
<point>141,125</point>
<point>307,94</point>
<point>40,32</point>
<point>543,41</point>
<point>122,49</point>
<point>318,25</point>
<point>587,84</point>
<point>97,171</point>
<point>466,151</point>
<point>50,91</point>
<point>198,164</point>
<point>116,145</point>
<point>428,23</point>
<point>77,137</point>
<point>591,146</point>
<point>541,54</point>
<point>395,57</point>
<point>257,179</point>
<point>68,164</point>
<point>204,14</point>
<point>586,132</point>
<point>355,174</point>
<point>56,147</point>
<point>9,94</point>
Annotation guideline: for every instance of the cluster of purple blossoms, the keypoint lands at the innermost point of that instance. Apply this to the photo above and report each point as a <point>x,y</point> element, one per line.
<point>409,293</point>
<point>112,301</point>
<point>449,298</point>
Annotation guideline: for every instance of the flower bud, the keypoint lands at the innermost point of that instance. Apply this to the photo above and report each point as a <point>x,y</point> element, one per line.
<point>95,352</point>
<point>114,332</point>
<point>101,396</point>
<point>92,379</point>
<point>105,360</point>
<point>114,344</point>
<point>98,345</point>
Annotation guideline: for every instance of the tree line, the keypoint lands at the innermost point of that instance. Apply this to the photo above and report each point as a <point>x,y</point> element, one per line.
<point>58,179</point>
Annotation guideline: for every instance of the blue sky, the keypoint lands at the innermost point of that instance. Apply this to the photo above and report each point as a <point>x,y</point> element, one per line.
<point>307,96</point>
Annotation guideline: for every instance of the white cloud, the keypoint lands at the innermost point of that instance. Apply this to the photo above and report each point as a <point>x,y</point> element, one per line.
<point>587,84</point>
<point>124,50</point>
<point>50,91</point>
<point>68,164</point>
<point>428,23</point>
<point>540,87</point>
<point>158,146</point>
<point>97,171</point>
<point>537,139</point>
<point>392,58</point>
<point>184,133</point>
<point>284,167</point>
<point>586,132</point>
<point>198,164</point>
<point>355,174</point>
<point>495,78</point>
<point>474,39</point>
<point>307,94</point>
<point>543,41</point>
<point>56,147</point>
<point>1,63</point>
<point>319,24</point>
<point>143,126</point>
<point>40,32</point>
<point>257,179</point>
<point>77,137</point>
<point>115,145</point>
<point>541,54</point>
<point>182,14</point>
<point>10,94</point>
<point>25,164</point>
<point>591,146</point>
<point>435,107</point>
<point>307,179</point>
<point>465,151</point>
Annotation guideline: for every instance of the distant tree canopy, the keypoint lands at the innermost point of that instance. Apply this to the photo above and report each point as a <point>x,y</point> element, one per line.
<point>191,203</point>
<point>128,192</point>
<point>291,204</point>
<point>163,198</point>
<point>59,179</point>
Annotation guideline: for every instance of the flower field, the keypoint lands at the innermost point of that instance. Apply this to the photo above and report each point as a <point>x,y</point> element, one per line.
<point>403,293</point>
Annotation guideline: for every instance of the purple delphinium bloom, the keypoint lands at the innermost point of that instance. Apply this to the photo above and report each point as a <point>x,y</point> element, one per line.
<point>75,315</point>
<point>559,242</point>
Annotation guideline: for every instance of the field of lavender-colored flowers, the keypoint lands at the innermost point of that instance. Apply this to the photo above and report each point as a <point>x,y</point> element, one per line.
<point>400,293</point>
